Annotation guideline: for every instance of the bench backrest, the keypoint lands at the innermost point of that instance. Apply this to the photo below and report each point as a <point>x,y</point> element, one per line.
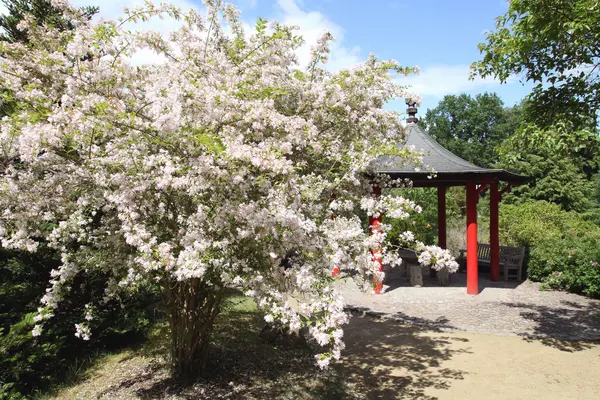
<point>511,255</point>
<point>483,251</point>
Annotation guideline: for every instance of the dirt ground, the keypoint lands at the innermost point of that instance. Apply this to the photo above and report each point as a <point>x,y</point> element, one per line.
<point>384,359</point>
<point>405,362</point>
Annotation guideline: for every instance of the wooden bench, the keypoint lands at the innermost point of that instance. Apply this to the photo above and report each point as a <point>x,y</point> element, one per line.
<point>511,258</point>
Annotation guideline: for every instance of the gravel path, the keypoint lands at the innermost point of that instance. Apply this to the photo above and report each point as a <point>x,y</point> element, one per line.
<point>501,309</point>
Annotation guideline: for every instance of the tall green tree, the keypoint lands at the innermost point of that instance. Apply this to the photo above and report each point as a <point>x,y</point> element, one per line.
<point>472,127</point>
<point>562,163</point>
<point>556,45</point>
<point>42,11</point>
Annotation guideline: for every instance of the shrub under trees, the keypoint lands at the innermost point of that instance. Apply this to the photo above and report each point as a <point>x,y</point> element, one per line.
<point>563,248</point>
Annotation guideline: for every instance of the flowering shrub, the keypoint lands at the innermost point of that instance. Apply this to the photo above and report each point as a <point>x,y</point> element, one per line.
<point>437,258</point>
<point>200,174</point>
<point>568,263</point>
<point>428,255</point>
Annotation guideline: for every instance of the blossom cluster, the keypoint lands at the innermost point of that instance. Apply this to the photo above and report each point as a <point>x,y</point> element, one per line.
<point>437,258</point>
<point>214,166</point>
<point>83,331</point>
<point>429,255</point>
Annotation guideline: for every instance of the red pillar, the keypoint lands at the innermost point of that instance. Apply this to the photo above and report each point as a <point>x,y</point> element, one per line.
<point>494,240</point>
<point>441,198</point>
<point>472,272</point>
<point>375,225</point>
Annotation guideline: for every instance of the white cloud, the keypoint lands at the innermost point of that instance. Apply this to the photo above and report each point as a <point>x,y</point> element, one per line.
<point>440,80</point>
<point>248,4</point>
<point>312,25</point>
<point>113,9</point>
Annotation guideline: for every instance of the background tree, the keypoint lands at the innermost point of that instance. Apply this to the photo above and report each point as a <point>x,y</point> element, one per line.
<point>593,213</point>
<point>555,44</point>
<point>561,162</point>
<point>42,11</point>
<point>471,127</point>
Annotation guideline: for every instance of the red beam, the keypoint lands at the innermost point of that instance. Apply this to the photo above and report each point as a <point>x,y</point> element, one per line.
<point>472,271</point>
<point>494,239</point>
<point>441,198</point>
<point>481,188</point>
<point>484,184</point>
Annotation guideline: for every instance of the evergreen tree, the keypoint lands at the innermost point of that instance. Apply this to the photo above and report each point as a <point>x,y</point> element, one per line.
<point>43,12</point>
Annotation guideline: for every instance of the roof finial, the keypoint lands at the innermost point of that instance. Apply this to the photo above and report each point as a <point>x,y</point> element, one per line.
<point>411,111</point>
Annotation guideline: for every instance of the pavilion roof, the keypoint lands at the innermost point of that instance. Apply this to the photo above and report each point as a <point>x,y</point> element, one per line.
<point>450,169</point>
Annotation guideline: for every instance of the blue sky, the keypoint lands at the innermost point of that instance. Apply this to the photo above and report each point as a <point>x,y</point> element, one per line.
<point>440,36</point>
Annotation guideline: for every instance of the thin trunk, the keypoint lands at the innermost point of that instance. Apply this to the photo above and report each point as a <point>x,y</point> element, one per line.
<point>193,307</point>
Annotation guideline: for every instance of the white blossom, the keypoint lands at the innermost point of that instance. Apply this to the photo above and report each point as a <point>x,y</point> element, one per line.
<point>437,258</point>
<point>82,331</point>
<point>228,164</point>
<point>37,330</point>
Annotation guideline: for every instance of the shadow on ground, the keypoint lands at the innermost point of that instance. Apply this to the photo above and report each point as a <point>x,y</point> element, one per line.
<point>569,327</point>
<point>385,359</point>
<point>458,279</point>
<point>241,366</point>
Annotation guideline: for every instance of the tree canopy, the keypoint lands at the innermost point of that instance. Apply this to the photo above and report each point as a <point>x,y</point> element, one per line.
<point>471,127</point>
<point>554,44</point>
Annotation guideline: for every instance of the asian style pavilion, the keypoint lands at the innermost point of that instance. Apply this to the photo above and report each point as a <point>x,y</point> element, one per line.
<point>451,170</point>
